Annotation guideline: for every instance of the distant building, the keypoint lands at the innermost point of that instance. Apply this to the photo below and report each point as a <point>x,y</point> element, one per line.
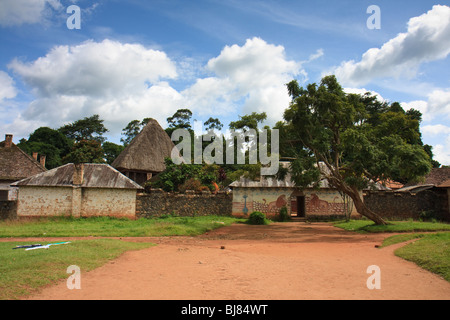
<point>16,165</point>
<point>269,195</point>
<point>80,190</point>
<point>144,156</point>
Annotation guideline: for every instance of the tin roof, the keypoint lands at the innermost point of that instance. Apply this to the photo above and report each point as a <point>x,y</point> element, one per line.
<point>94,176</point>
<point>273,182</point>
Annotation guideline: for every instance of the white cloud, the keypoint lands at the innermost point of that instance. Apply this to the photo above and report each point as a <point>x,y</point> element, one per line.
<point>18,12</point>
<point>363,91</point>
<point>7,88</point>
<point>120,82</point>
<point>441,151</point>
<point>437,105</point>
<point>436,130</point>
<point>255,74</point>
<point>427,39</point>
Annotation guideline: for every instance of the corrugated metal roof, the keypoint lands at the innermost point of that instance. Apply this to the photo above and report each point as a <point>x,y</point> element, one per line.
<point>415,189</point>
<point>95,176</point>
<point>272,182</point>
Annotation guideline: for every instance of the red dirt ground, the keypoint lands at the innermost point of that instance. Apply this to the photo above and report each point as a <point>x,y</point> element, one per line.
<point>282,261</point>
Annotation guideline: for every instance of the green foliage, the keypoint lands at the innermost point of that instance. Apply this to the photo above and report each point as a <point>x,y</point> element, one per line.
<point>284,214</point>
<point>88,128</point>
<point>175,176</point>
<point>85,151</point>
<point>49,142</point>
<point>257,218</point>
<point>111,151</point>
<point>181,119</point>
<point>132,129</point>
<point>355,139</point>
<point>248,121</point>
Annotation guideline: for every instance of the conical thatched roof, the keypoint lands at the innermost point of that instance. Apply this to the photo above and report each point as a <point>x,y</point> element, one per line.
<point>147,151</point>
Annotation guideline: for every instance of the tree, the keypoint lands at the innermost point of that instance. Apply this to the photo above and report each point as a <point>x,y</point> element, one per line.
<point>86,151</point>
<point>351,140</point>
<point>132,129</point>
<point>111,151</point>
<point>49,142</point>
<point>213,124</point>
<point>181,119</point>
<point>88,128</point>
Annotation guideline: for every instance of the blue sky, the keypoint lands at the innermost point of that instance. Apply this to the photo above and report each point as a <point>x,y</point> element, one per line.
<point>135,59</point>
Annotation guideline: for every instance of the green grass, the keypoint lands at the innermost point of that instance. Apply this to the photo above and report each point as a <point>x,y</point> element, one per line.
<point>367,226</point>
<point>25,272</point>
<point>113,227</point>
<point>430,252</point>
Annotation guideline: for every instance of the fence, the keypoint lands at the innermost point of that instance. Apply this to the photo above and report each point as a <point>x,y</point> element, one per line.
<point>157,203</point>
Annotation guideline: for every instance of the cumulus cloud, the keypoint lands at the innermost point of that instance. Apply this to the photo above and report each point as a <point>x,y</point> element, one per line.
<point>427,39</point>
<point>437,105</point>
<point>254,74</point>
<point>363,91</point>
<point>121,82</point>
<point>18,12</point>
<point>7,88</point>
<point>441,151</point>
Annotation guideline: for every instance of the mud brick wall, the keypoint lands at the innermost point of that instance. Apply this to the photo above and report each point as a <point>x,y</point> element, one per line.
<point>406,205</point>
<point>189,204</point>
<point>8,210</point>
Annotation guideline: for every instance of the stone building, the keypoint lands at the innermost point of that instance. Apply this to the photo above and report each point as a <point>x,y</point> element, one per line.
<point>16,165</point>
<point>144,156</point>
<point>80,190</point>
<point>269,195</point>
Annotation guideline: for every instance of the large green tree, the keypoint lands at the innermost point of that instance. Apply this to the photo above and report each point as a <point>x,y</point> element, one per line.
<point>49,142</point>
<point>88,128</point>
<point>351,140</point>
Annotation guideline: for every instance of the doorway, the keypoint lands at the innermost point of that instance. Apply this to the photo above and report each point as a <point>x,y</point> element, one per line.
<point>301,208</point>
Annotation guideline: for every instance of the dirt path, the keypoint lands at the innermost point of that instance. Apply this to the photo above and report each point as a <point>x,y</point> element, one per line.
<point>294,261</point>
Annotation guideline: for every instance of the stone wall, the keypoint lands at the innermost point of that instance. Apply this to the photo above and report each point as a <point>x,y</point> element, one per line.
<point>44,201</point>
<point>432,203</point>
<point>76,202</point>
<point>157,203</point>
<point>8,210</point>
<point>108,202</point>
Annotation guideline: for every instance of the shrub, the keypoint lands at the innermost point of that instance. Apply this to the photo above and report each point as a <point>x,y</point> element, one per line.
<point>190,184</point>
<point>257,217</point>
<point>284,215</point>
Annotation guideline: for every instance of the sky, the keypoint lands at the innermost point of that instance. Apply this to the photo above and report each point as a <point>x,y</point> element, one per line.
<point>128,60</point>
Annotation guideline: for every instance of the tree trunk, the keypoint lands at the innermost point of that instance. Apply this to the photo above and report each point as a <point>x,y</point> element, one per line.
<point>363,210</point>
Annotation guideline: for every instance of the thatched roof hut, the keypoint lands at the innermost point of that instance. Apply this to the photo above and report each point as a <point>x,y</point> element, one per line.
<point>145,154</point>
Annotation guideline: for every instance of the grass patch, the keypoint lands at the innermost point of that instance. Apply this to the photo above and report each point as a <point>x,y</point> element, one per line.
<point>431,252</point>
<point>367,226</point>
<point>113,227</point>
<point>25,272</point>
<point>401,238</point>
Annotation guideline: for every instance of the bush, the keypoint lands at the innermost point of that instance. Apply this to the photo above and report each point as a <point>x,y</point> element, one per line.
<point>257,217</point>
<point>284,215</point>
